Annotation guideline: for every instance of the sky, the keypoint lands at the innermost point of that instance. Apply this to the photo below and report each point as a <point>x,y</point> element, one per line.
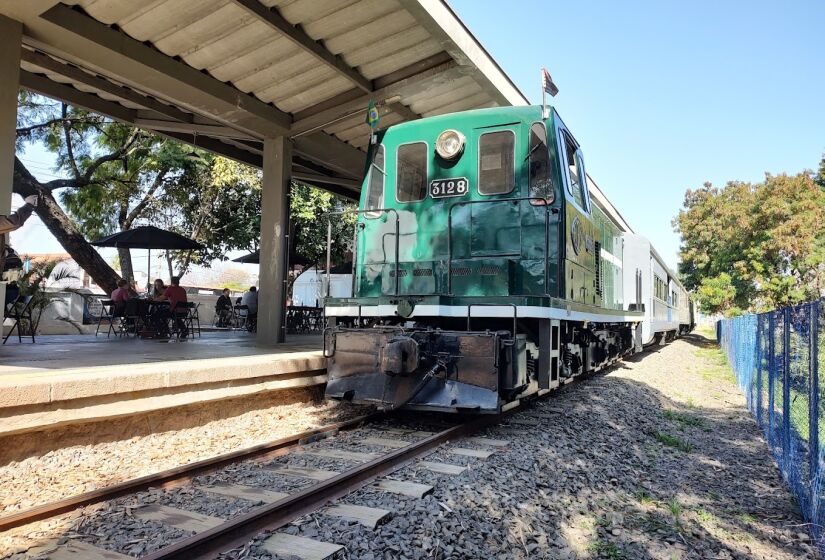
<point>665,95</point>
<point>662,95</point>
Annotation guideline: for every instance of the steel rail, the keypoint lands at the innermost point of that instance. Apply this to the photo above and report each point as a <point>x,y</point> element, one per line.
<point>178,475</point>
<point>239,530</point>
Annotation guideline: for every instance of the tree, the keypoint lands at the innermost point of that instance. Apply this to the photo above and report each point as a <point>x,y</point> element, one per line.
<point>716,295</point>
<point>216,203</point>
<point>754,246</point>
<point>42,120</point>
<point>310,210</point>
<point>120,176</point>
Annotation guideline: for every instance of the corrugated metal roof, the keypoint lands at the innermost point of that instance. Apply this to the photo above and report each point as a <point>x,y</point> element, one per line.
<point>220,37</point>
<point>237,71</point>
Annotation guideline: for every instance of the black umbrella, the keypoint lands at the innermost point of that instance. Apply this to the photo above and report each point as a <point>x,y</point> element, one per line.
<point>255,258</point>
<point>148,237</point>
<point>251,258</point>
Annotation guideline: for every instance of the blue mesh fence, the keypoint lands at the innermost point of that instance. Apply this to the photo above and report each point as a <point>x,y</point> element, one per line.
<point>777,357</point>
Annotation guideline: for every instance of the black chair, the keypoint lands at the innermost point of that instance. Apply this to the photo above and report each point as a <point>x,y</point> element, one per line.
<point>242,315</point>
<point>183,319</point>
<point>196,319</point>
<point>20,310</point>
<point>132,316</point>
<point>108,313</point>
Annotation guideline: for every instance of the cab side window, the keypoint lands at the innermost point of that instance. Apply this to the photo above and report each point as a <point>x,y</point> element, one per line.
<point>574,174</point>
<point>496,170</point>
<point>375,186</point>
<point>411,178</point>
<point>541,178</point>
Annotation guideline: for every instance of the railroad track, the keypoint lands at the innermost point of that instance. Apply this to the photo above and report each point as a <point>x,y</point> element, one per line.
<point>210,536</point>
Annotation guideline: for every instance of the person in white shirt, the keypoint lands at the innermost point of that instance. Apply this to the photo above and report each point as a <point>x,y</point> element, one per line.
<point>250,300</point>
<point>14,221</point>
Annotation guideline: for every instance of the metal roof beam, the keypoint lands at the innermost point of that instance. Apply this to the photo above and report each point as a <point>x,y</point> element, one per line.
<point>444,25</point>
<point>191,128</point>
<point>44,86</point>
<point>145,68</point>
<point>314,178</point>
<point>273,18</point>
<point>80,76</point>
<point>331,153</point>
<point>307,121</point>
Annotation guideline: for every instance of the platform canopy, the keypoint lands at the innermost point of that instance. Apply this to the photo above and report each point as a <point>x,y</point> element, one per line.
<point>283,85</point>
<point>225,74</point>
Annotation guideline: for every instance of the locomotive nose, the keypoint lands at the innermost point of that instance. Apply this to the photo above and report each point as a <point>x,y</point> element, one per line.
<point>399,356</point>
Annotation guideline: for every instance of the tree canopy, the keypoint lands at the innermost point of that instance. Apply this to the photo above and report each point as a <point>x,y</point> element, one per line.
<point>120,177</point>
<point>754,246</point>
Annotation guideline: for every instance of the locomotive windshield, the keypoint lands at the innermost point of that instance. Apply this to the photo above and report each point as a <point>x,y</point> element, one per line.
<point>411,181</point>
<point>496,151</point>
<point>573,170</point>
<point>541,182</point>
<point>375,187</point>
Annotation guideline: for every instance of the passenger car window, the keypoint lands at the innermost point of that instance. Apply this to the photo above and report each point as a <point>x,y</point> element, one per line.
<point>541,182</point>
<point>375,186</point>
<point>496,172</point>
<point>411,178</point>
<point>573,171</point>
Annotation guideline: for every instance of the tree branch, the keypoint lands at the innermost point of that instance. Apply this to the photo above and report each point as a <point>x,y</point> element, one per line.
<point>67,135</point>
<point>26,130</point>
<point>147,196</point>
<point>124,150</point>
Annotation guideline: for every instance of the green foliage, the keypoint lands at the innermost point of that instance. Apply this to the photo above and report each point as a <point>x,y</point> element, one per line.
<point>42,275</point>
<point>716,294</point>
<point>150,180</point>
<point>673,441</point>
<point>754,246</point>
<point>310,208</point>
<point>683,419</point>
<point>604,549</point>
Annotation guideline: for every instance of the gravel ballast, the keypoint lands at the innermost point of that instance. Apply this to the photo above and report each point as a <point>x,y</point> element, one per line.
<point>657,458</point>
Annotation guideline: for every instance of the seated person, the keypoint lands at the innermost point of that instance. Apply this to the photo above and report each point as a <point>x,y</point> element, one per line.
<point>223,309</point>
<point>121,294</point>
<point>174,294</point>
<point>158,289</point>
<point>250,300</point>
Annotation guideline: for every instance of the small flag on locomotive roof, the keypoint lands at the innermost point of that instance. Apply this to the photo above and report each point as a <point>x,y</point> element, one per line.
<point>372,115</point>
<point>547,86</point>
<point>547,83</point>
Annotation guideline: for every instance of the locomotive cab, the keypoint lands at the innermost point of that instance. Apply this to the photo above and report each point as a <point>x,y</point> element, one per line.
<point>475,239</point>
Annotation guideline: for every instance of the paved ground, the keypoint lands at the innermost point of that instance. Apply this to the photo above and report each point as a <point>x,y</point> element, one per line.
<point>51,354</point>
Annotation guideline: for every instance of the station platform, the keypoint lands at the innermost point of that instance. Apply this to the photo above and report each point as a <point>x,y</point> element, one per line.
<point>63,380</point>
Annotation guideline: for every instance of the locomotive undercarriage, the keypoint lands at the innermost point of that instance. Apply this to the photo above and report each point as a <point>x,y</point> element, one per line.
<point>436,363</point>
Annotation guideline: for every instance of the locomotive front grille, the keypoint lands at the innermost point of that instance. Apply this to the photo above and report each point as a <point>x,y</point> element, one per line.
<point>488,270</point>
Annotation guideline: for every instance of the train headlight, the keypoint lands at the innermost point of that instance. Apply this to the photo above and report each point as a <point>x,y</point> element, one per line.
<point>449,144</point>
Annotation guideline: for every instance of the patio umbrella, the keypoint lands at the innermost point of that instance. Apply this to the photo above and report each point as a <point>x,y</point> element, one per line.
<point>148,237</point>
<point>251,258</point>
<point>254,257</point>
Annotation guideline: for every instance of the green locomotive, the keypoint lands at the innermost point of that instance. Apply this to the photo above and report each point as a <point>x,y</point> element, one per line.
<point>482,271</point>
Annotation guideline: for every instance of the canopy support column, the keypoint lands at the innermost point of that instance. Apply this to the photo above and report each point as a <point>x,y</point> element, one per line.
<point>11,33</point>
<point>277,169</point>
